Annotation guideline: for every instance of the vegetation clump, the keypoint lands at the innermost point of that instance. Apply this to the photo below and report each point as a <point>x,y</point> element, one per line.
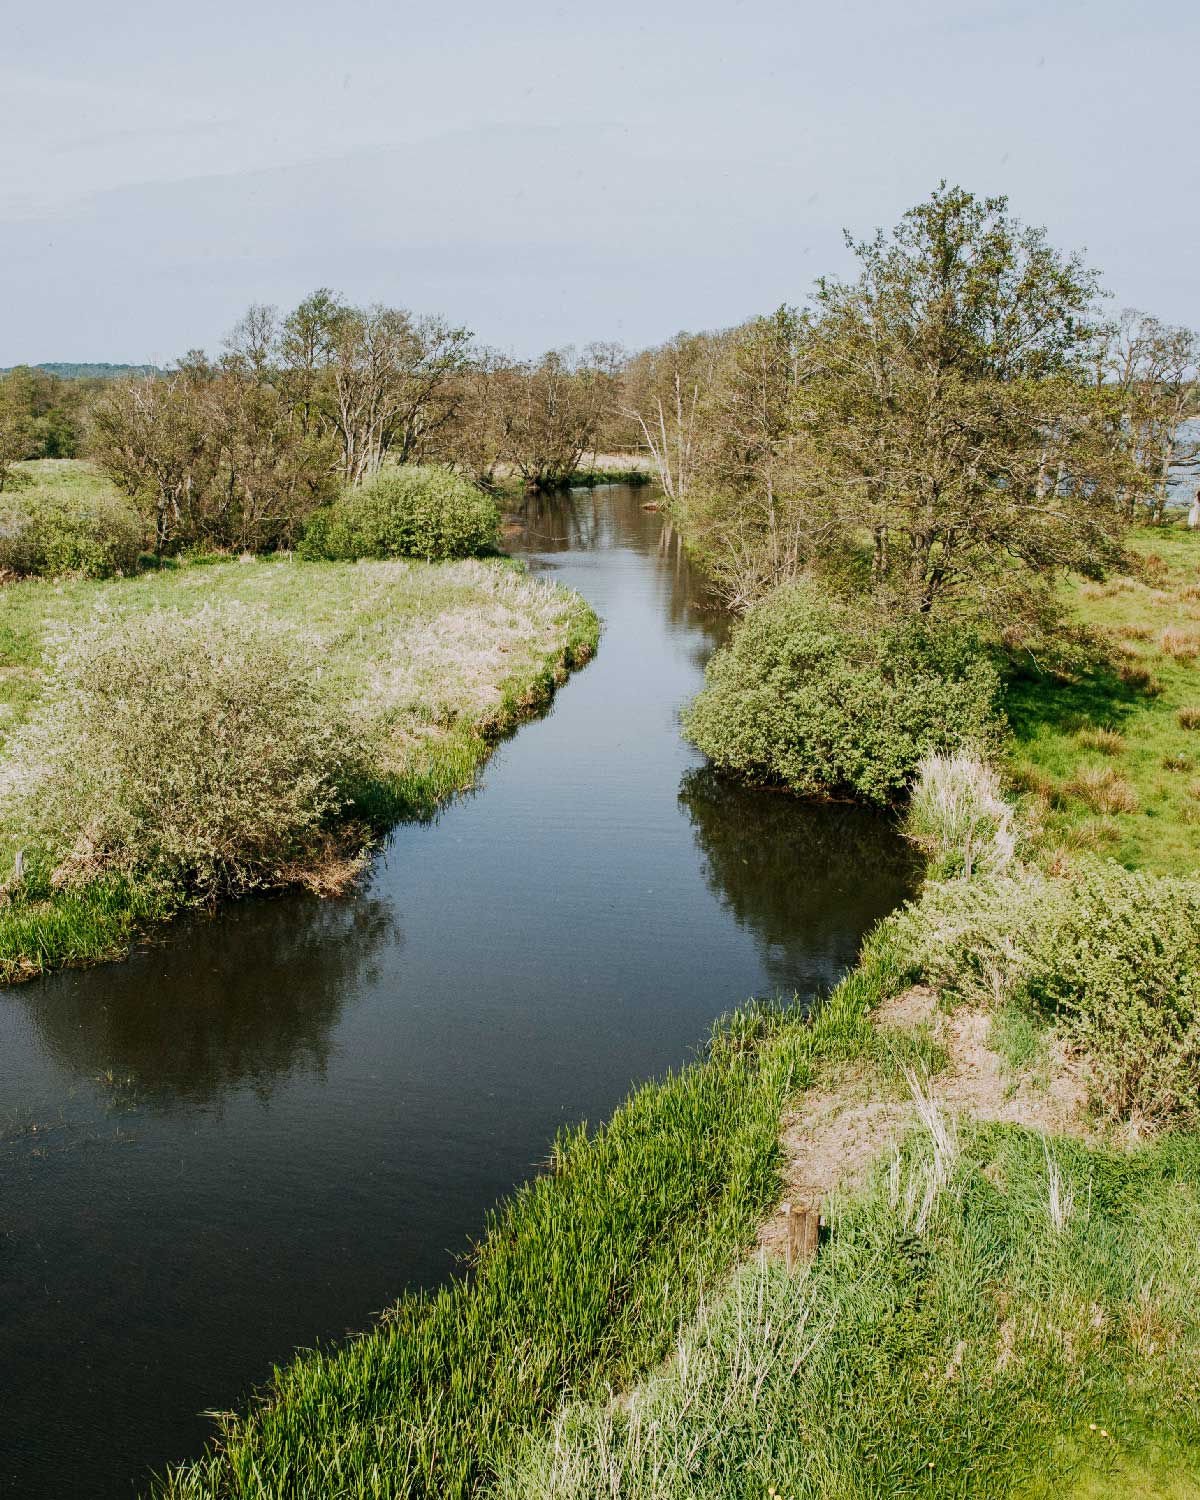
<point>408,511</point>
<point>193,751</point>
<point>1112,954</point>
<point>827,700</point>
<point>54,522</point>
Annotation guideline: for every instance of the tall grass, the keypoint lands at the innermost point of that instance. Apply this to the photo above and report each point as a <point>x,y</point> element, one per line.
<point>581,1280</point>
<point>958,815</point>
<point>1034,1329</point>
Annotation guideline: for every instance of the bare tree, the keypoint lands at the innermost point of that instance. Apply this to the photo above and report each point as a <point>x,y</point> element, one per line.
<point>1153,368</point>
<point>665,390</point>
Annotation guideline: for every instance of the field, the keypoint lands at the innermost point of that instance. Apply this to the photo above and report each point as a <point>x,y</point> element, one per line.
<point>1115,756</point>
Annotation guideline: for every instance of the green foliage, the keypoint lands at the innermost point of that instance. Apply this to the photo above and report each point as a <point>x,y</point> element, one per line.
<point>1122,963</point>
<point>828,700</point>
<point>1114,953</point>
<point>197,752</point>
<point>51,524</point>
<point>406,511</point>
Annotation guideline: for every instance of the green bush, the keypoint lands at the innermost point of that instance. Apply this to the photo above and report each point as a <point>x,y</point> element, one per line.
<point>1122,964</point>
<point>48,531</point>
<point>408,511</point>
<point>827,699</point>
<point>196,751</point>
<point>1115,954</point>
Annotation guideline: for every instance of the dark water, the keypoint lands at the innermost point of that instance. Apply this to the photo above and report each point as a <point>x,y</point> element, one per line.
<point>254,1136</point>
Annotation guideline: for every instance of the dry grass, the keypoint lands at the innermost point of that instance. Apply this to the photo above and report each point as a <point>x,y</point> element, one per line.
<point>1182,645</point>
<point>1102,790</point>
<point>1139,677</point>
<point>1106,741</point>
<point>1133,632</point>
<point>1188,718</point>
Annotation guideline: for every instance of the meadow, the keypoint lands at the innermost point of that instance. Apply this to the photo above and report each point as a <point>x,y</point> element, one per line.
<point>427,664</point>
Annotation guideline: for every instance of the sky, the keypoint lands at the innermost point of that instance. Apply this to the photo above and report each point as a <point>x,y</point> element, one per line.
<point>549,174</point>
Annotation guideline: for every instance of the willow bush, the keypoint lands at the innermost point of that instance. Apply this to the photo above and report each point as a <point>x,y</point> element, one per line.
<point>406,511</point>
<point>827,698</point>
<point>194,750</point>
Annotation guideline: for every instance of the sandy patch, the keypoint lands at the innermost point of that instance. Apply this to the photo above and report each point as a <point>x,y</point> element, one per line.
<point>832,1140</point>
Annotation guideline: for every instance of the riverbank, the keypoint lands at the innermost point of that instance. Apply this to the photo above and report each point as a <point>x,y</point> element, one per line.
<point>995,1310</point>
<point>432,663</point>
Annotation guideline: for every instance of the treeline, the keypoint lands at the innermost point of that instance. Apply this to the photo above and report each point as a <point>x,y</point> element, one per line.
<point>240,450</point>
<point>962,403</point>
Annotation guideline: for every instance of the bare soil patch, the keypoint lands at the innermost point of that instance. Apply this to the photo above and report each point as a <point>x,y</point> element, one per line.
<point>835,1136</point>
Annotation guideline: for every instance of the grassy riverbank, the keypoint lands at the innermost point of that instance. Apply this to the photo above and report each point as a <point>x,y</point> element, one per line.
<point>433,661</point>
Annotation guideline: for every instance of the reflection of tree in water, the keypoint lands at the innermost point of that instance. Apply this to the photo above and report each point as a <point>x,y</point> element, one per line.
<point>591,520</point>
<point>808,880</point>
<point>238,1002</point>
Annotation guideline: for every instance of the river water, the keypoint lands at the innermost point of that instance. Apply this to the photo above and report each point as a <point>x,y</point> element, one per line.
<point>255,1134</point>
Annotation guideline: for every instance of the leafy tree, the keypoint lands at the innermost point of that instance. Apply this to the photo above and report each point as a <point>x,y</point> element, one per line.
<point>949,411</point>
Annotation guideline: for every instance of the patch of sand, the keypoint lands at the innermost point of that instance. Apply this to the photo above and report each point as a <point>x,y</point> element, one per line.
<point>831,1141</point>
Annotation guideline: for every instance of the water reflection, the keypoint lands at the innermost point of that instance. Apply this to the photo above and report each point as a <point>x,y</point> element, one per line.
<point>244,1000</point>
<point>799,876</point>
<point>596,521</point>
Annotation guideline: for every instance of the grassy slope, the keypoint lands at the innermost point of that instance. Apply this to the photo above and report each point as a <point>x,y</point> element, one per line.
<point>1000,1352</point>
<point>450,655</point>
<point>1160,760</point>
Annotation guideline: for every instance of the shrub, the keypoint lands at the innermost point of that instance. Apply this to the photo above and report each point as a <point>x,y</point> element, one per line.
<point>825,699</point>
<point>408,511</point>
<point>196,751</point>
<point>1122,962</point>
<point>1115,953</point>
<point>959,817</point>
<point>48,532</point>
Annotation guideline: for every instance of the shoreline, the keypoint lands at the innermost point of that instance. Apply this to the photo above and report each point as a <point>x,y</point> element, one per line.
<point>103,921</point>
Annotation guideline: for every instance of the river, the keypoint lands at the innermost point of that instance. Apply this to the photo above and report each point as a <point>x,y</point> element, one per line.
<point>253,1135</point>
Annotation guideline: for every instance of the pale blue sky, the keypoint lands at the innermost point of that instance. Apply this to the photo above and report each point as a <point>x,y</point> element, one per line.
<point>553,173</point>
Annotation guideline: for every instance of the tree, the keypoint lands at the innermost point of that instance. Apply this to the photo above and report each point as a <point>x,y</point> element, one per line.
<point>553,409</point>
<point>472,437</point>
<point>1153,370</point>
<point>213,454</point>
<point>665,393</point>
<point>949,410</point>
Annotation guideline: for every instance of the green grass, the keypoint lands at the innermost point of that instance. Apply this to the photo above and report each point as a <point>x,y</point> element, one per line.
<point>66,478</point>
<point>1160,759</point>
<point>984,1355</point>
<point>447,657</point>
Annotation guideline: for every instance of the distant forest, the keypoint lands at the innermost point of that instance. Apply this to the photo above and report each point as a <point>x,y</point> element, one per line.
<point>69,371</point>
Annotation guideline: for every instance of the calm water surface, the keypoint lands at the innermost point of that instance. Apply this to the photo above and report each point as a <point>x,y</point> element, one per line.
<point>253,1136</point>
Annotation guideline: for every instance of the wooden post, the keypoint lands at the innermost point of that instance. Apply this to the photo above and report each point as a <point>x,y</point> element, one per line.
<point>803,1234</point>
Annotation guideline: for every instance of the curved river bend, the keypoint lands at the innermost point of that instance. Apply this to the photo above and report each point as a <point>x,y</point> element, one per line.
<point>253,1136</point>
